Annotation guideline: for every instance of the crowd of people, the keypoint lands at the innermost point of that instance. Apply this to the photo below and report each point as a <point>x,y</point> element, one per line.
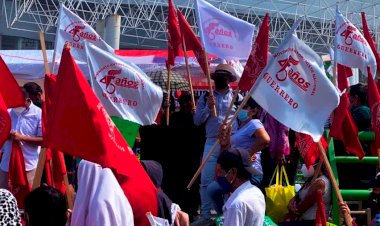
<point>232,183</point>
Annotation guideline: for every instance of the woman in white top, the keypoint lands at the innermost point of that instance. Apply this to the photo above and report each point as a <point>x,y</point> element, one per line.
<point>303,207</point>
<point>250,137</point>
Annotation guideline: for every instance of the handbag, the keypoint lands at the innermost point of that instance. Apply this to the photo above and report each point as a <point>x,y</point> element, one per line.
<point>278,196</point>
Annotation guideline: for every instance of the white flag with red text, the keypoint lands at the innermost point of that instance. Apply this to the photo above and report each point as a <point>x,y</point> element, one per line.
<point>124,90</point>
<point>224,35</point>
<point>352,49</point>
<point>74,30</point>
<point>294,88</point>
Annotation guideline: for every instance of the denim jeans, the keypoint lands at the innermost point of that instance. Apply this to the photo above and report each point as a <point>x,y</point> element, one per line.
<point>208,176</point>
<point>215,191</point>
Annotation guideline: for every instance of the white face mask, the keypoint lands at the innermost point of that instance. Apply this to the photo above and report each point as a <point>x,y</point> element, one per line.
<point>307,172</point>
<point>19,110</point>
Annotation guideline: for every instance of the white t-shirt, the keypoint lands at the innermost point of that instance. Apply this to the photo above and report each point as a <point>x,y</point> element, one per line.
<point>244,138</point>
<point>27,123</point>
<point>310,214</point>
<point>245,207</point>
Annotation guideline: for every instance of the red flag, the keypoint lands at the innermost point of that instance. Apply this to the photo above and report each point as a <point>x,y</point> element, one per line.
<point>174,36</point>
<point>343,74</point>
<point>258,58</point>
<point>5,122</point>
<point>191,41</point>
<point>370,41</point>
<point>320,218</point>
<point>53,157</point>
<point>374,104</point>
<point>9,89</point>
<point>308,148</point>
<point>343,126</point>
<point>17,174</point>
<point>80,126</point>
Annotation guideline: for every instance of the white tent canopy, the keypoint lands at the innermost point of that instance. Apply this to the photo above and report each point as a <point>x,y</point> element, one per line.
<point>29,64</point>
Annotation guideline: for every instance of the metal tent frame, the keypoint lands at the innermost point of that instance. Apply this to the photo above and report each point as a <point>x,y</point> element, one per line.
<point>144,21</point>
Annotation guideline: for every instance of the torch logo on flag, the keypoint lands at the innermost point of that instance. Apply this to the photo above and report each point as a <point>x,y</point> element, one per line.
<point>111,81</point>
<point>77,30</point>
<point>216,28</point>
<point>111,75</point>
<point>294,75</point>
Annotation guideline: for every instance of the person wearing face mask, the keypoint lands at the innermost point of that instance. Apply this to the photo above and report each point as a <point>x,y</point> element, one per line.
<point>303,207</point>
<point>223,95</point>
<point>251,138</point>
<point>246,204</point>
<point>26,129</point>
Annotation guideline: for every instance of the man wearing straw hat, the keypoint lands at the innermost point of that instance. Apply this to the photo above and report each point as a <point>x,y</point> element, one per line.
<point>223,95</point>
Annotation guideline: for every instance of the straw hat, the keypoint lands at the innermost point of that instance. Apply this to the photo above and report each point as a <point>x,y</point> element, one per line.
<point>225,70</point>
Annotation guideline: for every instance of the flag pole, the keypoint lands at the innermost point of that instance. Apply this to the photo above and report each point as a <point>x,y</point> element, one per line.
<point>213,148</point>
<point>43,48</point>
<point>188,73</point>
<point>322,152</point>
<point>168,96</point>
<point>209,80</point>
<point>42,156</point>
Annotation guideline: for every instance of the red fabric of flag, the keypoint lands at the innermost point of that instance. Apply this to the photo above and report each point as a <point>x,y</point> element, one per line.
<point>343,74</point>
<point>9,89</point>
<point>174,36</point>
<point>17,174</point>
<point>258,58</point>
<point>191,41</point>
<point>53,157</point>
<point>370,41</point>
<point>5,122</point>
<point>343,128</point>
<point>80,126</point>
<point>374,104</point>
<point>320,217</point>
<point>308,148</point>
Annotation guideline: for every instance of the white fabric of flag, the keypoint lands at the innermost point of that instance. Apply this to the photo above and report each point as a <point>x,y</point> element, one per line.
<point>75,31</point>
<point>294,88</point>
<point>352,49</point>
<point>124,90</point>
<point>223,34</point>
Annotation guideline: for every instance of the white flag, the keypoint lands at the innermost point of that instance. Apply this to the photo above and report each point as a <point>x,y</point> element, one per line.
<point>222,34</point>
<point>74,30</point>
<point>123,89</point>
<point>352,49</point>
<point>294,88</point>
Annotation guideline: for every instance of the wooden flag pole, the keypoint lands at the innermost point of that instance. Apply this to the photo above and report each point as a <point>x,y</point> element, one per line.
<point>209,80</point>
<point>188,73</point>
<point>167,110</point>
<point>43,48</point>
<point>40,168</point>
<point>42,156</point>
<point>322,152</point>
<point>213,148</point>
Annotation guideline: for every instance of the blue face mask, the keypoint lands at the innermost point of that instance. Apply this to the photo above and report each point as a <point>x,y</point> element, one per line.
<point>243,115</point>
<point>223,182</point>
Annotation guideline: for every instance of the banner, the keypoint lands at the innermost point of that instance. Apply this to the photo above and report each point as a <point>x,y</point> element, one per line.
<point>294,88</point>
<point>352,49</point>
<point>222,34</point>
<point>123,89</point>
<point>74,30</point>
